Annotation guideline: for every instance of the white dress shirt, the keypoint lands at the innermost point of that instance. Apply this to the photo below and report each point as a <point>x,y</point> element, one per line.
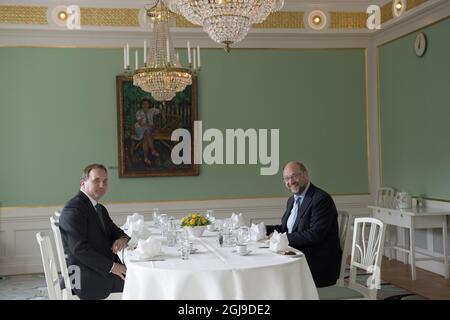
<point>298,200</point>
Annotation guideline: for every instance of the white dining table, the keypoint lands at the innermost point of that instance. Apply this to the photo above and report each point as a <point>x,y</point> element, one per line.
<point>218,273</point>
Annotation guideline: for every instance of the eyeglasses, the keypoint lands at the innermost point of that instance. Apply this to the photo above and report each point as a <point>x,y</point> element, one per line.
<point>292,176</point>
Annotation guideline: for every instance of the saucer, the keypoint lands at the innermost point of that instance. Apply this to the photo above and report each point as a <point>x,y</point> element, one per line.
<point>193,250</point>
<point>243,254</point>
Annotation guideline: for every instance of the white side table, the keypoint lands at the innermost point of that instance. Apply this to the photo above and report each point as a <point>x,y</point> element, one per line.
<point>416,218</point>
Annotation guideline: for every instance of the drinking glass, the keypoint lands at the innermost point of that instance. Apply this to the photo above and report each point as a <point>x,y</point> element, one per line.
<point>210,214</point>
<point>227,232</point>
<point>163,222</point>
<point>212,220</point>
<point>185,249</point>
<point>243,235</point>
<point>171,232</point>
<point>156,214</point>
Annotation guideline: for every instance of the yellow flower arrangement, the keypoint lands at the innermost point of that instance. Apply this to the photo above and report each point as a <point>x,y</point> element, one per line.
<point>194,220</point>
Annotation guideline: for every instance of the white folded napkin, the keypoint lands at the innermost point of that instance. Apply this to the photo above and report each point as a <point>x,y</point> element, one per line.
<point>278,242</point>
<point>237,220</point>
<point>133,218</point>
<point>258,231</point>
<point>137,230</point>
<point>147,248</point>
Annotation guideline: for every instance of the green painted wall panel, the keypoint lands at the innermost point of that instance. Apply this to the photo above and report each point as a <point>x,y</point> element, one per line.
<point>415,110</point>
<point>58,114</point>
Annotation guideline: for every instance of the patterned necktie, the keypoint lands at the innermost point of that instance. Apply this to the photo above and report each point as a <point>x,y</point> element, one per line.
<point>98,208</point>
<point>293,215</point>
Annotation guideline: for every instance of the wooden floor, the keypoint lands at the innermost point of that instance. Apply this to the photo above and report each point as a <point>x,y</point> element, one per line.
<point>429,285</point>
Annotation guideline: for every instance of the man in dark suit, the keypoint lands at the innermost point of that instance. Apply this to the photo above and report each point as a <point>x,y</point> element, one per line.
<point>311,224</point>
<point>91,239</point>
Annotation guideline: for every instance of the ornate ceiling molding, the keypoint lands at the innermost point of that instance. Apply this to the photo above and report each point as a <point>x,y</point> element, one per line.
<point>111,23</point>
<point>129,17</point>
<point>12,14</point>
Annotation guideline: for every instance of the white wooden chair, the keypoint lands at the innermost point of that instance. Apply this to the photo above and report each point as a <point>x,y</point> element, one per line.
<point>367,246</point>
<point>62,260</point>
<point>50,269</point>
<point>385,198</point>
<point>63,265</point>
<point>344,223</point>
<point>57,214</point>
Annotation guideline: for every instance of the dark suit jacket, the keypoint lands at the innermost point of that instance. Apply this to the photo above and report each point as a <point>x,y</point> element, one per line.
<point>315,233</point>
<point>88,245</point>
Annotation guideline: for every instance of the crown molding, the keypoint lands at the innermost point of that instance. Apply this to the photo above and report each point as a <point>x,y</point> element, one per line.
<point>411,21</point>
<point>103,39</point>
<point>274,37</point>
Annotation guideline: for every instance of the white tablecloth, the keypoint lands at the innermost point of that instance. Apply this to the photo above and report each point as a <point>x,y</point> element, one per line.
<point>219,273</point>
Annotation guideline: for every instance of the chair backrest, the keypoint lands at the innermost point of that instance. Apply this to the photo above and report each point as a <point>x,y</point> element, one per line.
<point>50,269</point>
<point>385,196</point>
<point>61,256</point>
<point>57,214</point>
<point>344,229</point>
<point>67,293</point>
<point>367,248</point>
<point>343,223</point>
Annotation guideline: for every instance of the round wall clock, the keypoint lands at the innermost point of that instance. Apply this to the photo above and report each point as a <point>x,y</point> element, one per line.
<point>420,44</point>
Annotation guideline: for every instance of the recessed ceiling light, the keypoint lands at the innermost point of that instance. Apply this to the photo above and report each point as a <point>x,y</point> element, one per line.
<point>62,15</point>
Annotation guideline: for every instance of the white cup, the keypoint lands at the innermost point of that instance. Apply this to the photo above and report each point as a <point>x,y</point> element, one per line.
<point>241,248</point>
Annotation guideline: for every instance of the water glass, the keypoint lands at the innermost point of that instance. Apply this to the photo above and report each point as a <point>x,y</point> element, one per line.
<point>181,235</point>
<point>156,214</point>
<point>229,237</point>
<point>163,223</point>
<point>243,235</point>
<point>171,232</point>
<point>210,215</point>
<point>171,238</point>
<point>212,220</point>
<point>185,249</point>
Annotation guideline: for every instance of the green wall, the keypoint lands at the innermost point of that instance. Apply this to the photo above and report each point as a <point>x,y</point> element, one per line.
<point>415,113</point>
<point>58,114</point>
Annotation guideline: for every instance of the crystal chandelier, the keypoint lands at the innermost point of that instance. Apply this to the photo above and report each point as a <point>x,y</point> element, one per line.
<point>162,74</point>
<point>226,21</point>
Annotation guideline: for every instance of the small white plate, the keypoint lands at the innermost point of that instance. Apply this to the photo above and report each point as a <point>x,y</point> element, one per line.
<point>296,255</point>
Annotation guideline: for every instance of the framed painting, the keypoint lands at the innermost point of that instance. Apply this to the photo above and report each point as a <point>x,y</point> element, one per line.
<point>145,128</point>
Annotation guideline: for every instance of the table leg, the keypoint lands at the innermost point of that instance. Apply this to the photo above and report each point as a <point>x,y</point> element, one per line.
<point>444,238</point>
<point>412,248</point>
<point>388,241</point>
<point>404,235</point>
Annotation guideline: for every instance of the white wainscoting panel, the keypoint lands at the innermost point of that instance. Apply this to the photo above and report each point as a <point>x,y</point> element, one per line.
<point>19,252</point>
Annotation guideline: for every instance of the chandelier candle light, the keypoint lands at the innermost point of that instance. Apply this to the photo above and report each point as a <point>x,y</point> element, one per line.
<point>225,21</point>
<point>162,74</point>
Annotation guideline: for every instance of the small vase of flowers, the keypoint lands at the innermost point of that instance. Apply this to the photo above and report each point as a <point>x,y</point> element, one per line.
<point>195,224</point>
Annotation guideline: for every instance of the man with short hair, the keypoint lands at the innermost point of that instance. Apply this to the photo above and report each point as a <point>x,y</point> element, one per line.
<point>91,239</point>
<point>311,224</point>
